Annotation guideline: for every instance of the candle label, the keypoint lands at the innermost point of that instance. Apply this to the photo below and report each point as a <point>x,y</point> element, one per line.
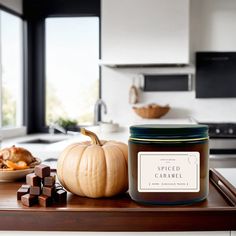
<point>168,171</point>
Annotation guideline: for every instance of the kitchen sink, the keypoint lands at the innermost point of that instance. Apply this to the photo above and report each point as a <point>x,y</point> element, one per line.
<point>41,141</point>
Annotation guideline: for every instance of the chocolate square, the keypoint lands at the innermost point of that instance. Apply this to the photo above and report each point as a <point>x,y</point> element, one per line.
<point>22,191</point>
<point>58,186</point>
<point>44,200</point>
<point>35,190</point>
<point>29,200</point>
<point>60,196</point>
<point>33,180</point>
<point>48,191</point>
<point>49,181</point>
<point>42,171</point>
<point>25,186</point>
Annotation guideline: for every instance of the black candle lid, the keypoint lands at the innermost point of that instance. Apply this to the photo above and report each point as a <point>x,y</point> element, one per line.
<point>165,131</point>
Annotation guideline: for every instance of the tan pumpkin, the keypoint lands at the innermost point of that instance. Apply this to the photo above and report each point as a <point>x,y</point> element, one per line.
<point>94,169</point>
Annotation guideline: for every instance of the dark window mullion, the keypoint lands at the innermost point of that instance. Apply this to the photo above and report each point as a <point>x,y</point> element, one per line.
<point>35,13</point>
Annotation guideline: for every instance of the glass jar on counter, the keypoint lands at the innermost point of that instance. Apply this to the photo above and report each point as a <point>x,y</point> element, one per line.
<point>168,164</point>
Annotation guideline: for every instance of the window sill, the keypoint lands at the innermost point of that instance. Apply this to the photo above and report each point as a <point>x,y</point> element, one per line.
<point>12,132</point>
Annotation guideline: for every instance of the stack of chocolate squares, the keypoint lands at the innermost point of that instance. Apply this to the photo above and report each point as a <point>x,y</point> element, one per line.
<point>41,187</point>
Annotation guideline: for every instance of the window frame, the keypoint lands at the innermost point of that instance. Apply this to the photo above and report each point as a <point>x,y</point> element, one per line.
<point>35,15</point>
<point>8,132</point>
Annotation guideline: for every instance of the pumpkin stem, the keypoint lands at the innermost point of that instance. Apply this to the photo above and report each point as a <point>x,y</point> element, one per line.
<point>93,136</point>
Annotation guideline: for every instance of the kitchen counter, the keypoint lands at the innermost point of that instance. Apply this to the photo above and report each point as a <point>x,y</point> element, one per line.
<point>52,150</point>
<point>115,214</point>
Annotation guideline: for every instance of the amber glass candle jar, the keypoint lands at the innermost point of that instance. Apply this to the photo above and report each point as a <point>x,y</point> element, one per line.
<point>168,164</point>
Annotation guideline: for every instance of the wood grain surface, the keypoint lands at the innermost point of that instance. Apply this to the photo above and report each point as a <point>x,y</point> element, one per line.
<point>115,214</point>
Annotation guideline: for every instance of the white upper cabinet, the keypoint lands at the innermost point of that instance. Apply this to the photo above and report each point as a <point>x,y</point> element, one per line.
<point>145,32</point>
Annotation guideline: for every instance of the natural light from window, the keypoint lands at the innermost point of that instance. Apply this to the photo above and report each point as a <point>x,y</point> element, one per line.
<point>72,71</point>
<point>11,70</point>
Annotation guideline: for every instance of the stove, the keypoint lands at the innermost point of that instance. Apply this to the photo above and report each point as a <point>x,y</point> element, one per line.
<point>222,130</point>
<point>222,138</point>
<point>222,144</point>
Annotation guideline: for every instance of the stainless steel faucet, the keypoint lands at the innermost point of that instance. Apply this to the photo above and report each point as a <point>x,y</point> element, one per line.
<point>55,126</point>
<point>98,103</point>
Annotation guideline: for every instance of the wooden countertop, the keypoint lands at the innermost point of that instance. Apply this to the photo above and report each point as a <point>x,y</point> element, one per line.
<point>115,214</point>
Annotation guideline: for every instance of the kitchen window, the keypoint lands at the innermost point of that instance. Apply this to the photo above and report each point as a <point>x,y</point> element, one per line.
<point>72,70</point>
<point>11,70</point>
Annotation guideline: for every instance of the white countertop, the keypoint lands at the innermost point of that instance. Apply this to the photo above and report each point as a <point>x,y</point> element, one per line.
<point>229,174</point>
<point>52,150</point>
<point>45,151</point>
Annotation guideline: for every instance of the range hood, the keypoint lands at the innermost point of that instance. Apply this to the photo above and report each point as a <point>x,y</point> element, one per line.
<point>157,68</point>
<point>122,64</point>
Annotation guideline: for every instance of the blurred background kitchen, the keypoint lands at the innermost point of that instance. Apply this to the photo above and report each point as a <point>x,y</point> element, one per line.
<point>109,64</point>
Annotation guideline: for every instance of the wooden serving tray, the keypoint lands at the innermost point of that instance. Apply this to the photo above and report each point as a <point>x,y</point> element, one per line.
<point>218,212</point>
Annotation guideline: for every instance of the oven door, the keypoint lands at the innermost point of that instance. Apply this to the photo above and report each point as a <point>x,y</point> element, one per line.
<point>222,152</point>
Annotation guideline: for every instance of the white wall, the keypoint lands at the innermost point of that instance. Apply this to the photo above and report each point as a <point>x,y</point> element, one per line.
<point>212,27</point>
<point>15,5</point>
